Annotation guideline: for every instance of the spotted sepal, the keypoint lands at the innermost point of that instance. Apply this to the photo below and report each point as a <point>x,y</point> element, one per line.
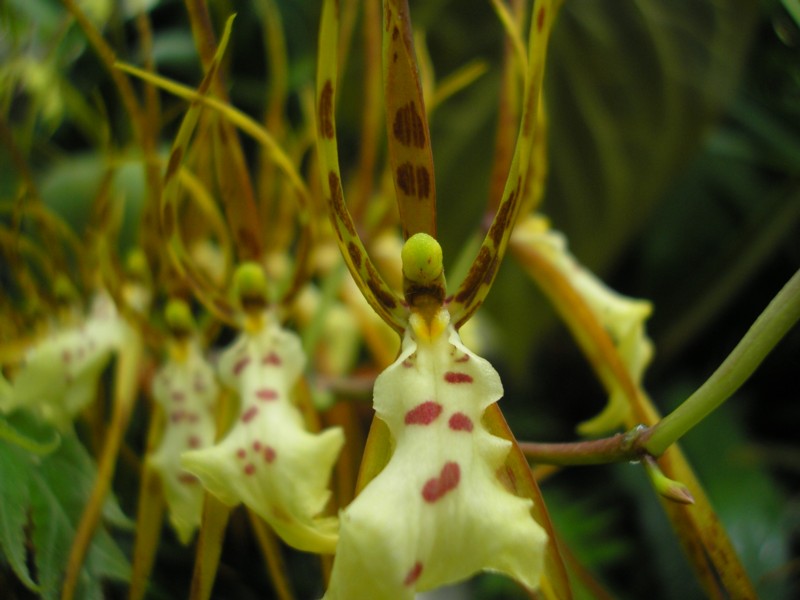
<point>268,460</point>
<point>476,285</point>
<point>60,374</point>
<point>437,513</point>
<point>379,295</point>
<point>211,297</point>
<point>410,154</point>
<point>186,389</point>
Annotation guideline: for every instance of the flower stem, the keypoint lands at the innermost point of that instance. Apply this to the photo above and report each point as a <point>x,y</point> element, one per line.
<point>777,319</point>
<point>617,448</point>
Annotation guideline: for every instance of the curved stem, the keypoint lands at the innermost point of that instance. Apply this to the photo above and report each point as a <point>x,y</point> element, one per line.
<point>777,319</point>
<point>125,389</point>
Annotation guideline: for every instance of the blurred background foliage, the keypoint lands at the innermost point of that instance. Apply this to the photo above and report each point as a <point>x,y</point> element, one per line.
<point>674,145</point>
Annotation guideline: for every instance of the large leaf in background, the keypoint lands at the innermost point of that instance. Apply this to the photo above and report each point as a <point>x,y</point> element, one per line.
<point>632,87</point>
<point>48,493</point>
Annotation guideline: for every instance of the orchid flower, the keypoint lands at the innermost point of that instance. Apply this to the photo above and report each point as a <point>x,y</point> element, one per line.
<point>623,317</point>
<point>269,460</point>
<point>438,512</point>
<point>187,390</point>
<point>60,373</point>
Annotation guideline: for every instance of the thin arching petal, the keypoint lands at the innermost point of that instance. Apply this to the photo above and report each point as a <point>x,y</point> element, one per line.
<point>380,296</point>
<point>207,293</point>
<point>475,287</point>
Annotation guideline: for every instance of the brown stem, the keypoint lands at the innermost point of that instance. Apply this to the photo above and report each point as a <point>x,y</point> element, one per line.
<point>617,448</point>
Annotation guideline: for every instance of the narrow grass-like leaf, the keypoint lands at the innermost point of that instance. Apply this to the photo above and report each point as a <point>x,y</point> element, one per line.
<point>240,203</point>
<point>475,287</point>
<point>126,387</point>
<point>150,513</point>
<point>379,295</point>
<point>214,300</point>
<point>409,138</point>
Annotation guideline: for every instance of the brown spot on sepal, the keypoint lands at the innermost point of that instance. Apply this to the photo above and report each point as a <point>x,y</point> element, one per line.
<point>540,19</point>
<point>374,284</point>
<point>475,276</point>
<point>337,203</point>
<point>247,244</point>
<point>408,128</point>
<point>423,182</point>
<point>414,181</point>
<point>326,111</point>
<point>355,254</point>
<point>502,221</point>
<point>174,163</point>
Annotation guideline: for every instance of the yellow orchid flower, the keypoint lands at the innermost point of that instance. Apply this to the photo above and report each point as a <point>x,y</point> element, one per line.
<point>269,460</point>
<point>437,513</point>
<point>187,390</point>
<point>623,317</point>
<point>59,375</point>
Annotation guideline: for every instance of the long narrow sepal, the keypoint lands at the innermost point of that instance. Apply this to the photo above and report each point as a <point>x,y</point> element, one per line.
<point>379,295</point>
<point>206,291</point>
<point>475,287</point>
<point>410,152</point>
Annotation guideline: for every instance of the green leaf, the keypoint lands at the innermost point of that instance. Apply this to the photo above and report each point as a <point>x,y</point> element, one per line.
<point>52,490</point>
<point>632,89</point>
<point>14,502</point>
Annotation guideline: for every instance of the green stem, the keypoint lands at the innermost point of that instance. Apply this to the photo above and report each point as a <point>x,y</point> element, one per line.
<point>777,319</point>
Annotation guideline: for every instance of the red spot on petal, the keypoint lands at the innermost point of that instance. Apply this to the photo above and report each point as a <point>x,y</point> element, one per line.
<point>249,414</point>
<point>423,414</point>
<point>178,396</point>
<point>413,574</point>
<point>257,446</point>
<point>271,359</point>
<point>463,359</point>
<point>199,386</point>
<point>447,481</point>
<point>269,454</point>
<point>193,441</point>
<point>454,377</point>
<point>249,469</point>
<point>192,417</point>
<point>540,19</point>
<point>177,416</point>
<point>241,364</point>
<point>240,453</point>
<point>66,356</point>
<point>460,422</point>
<point>407,363</point>
<point>187,478</point>
<point>266,394</point>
